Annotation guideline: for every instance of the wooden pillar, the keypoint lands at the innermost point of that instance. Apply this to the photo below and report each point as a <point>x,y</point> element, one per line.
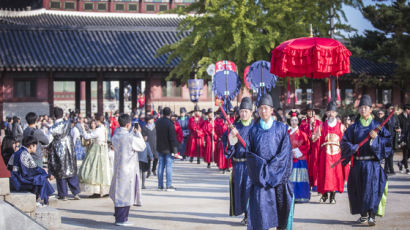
<point>78,96</point>
<point>88,98</point>
<point>148,92</point>
<point>1,95</point>
<point>100,96</point>
<point>51,92</point>
<point>134,96</point>
<point>121,91</point>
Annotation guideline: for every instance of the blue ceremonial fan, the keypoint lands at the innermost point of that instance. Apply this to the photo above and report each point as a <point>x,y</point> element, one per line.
<point>260,79</point>
<point>226,86</point>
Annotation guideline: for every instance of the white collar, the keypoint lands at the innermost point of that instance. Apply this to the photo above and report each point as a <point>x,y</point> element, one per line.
<point>293,130</point>
<point>332,124</point>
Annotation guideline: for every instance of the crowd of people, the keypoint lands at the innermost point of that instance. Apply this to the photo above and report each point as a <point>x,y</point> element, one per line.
<point>276,159</point>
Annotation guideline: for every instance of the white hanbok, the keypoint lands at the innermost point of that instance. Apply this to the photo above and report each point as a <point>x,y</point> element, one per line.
<point>123,186</point>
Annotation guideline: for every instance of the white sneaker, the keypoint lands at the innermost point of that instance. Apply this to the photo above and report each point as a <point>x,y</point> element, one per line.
<point>126,223</point>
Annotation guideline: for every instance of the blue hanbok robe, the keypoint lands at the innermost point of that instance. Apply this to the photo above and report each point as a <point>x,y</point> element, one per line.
<point>367,179</point>
<point>269,162</point>
<point>27,176</point>
<point>240,183</point>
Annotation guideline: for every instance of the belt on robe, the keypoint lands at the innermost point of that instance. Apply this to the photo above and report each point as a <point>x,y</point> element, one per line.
<point>238,159</point>
<point>364,158</point>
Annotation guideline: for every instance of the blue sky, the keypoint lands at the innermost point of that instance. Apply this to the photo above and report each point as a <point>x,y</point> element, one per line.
<point>356,19</point>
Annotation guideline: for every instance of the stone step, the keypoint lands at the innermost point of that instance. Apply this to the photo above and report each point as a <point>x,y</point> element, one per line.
<point>49,217</point>
<point>12,218</point>
<point>24,201</point>
<point>4,186</point>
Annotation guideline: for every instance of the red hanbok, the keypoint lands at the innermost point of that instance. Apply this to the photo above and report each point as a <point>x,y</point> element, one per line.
<point>207,127</point>
<point>195,143</point>
<point>114,124</point>
<point>299,139</point>
<point>178,132</point>
<point>330,179</point>
<point>312,157</point>
<point>346,169</point>
<point>221,161</point>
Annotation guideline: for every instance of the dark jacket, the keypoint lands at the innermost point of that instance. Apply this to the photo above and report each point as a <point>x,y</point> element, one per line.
<point>151,139</point>
<point>166,137</point>
<point>17,132</point>
<point>42,139</point>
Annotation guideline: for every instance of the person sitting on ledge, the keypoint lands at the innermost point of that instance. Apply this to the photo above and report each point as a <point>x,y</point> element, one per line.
<point>26,176</point>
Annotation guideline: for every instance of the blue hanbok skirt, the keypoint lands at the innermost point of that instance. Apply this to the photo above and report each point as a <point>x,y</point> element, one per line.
<point>300,181</point>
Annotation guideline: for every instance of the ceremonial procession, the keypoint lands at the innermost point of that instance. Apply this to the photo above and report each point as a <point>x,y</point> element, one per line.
<point>186,114</point>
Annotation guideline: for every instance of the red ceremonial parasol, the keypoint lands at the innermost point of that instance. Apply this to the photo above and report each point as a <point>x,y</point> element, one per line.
<point>310,57</point>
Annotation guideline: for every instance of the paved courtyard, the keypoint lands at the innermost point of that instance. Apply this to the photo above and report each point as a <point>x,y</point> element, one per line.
<point>202,202</point>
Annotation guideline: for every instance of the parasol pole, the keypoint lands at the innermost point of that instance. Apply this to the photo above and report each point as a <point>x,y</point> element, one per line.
<point>213,121</point>
<point>311,75</point>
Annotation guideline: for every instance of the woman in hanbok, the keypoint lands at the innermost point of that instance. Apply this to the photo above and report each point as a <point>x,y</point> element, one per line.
<point>300,148</point>
<point>76,134</point>
<point>96,171</point>
<point>223,163</point>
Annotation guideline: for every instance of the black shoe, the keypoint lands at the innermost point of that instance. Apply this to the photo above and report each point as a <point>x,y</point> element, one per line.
<point>148,174</point>
<point>400,166</point>
<point>209,165</point>
<point>154,173</point>
<point>63,198</point>
<point>198,161</point>
<point>171,189</point>
<point>228,170</point>
<point>95,195</point>
<point>143,187</point>
<point>362,220</point>
<point>191,159</point>
<point>332,199</point>
<point>323,199</point>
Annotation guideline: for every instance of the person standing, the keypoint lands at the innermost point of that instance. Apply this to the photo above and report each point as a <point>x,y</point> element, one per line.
<point>195,144</point>
<point>17,130</point>
<point>149,133</point>
<point>183,122</point>
<point>223,163</point>
<point>311,126</point>
<point>367,180</point>
<point>240,183</point>
<point>95,173</point>
<point>123,185</point>
<point>330,179</point>
<point>300,148</point>
<point>269,161</point>
<point>404,119</point>
<point>42,139</point>
<point>210,138</point>
<point>393,126</point>
<point>62,161</point>
<point>167,148</point>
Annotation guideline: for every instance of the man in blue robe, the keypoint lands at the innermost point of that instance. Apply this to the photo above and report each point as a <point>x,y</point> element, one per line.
<point>269,161</point>
<point>240,182</point>
<point>26,175</point>
<point>367,179</point>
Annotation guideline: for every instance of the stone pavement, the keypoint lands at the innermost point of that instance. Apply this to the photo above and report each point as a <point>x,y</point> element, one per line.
<point>202,202</point>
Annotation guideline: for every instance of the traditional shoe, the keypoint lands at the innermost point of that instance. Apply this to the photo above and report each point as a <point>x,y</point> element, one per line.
<point>244,221</point>
<point>362,220</point>
<point>143,187</point>
<point>148,174</point>
<point>323,199</point>
<point>191,159</point>
<point>209,165</point>
<point>372,221</point>
<point>400,165</point>
<point>95,195</point>
<point>126,223</point>
<point>63,198</point>
<point>77,197</point>
<point>332,201</point>
<point>154,173</point>
<point>407,171</point>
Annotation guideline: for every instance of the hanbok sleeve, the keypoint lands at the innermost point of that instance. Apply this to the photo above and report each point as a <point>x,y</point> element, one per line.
<point>279,168</point>
<point>347,146</point>
<point>381,145</point>
<point>92,135</point>
<point>138,143</point>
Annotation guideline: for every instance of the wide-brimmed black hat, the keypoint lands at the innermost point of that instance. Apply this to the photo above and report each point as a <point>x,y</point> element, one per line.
<point>209,111</point>
<point>310,107</point>
<point>182,110</point>
<point>246,103</point>
<point>196,108</point>
<point>266,100</point>
<point>331,106</point>
<point>365,100</point>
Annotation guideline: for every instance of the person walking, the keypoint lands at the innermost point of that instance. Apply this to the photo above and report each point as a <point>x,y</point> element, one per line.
<point>167,147</point>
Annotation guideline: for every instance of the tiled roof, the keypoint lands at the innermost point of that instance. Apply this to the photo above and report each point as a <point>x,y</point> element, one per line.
<point>76,41</point>
<point>73,18</point>
<point>363,66</point>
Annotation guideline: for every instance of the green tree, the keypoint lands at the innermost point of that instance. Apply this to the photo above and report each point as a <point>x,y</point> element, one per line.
<point>390,43</point>
<point>245,31</point>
